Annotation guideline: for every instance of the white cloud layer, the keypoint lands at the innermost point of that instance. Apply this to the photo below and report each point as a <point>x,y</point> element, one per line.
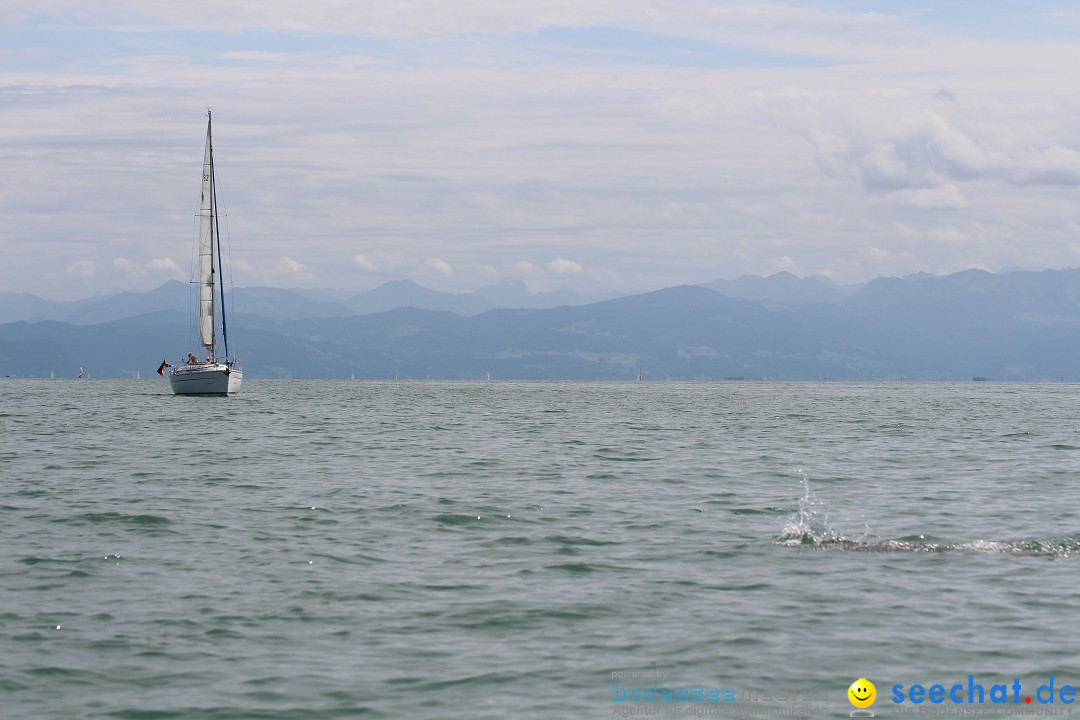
<point>363,263</point>
<point>562,266</point>
<point>655,142</point>
<point>440,266</point>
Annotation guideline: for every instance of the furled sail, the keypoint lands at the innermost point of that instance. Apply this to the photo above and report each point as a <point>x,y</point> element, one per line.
<point>206,250</point>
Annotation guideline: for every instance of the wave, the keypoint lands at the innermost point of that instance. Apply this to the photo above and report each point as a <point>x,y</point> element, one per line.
<point>809,528</point>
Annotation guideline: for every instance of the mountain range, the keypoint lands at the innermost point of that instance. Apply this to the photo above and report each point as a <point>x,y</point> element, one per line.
<point>280,304</point>
<point>1011,326</point>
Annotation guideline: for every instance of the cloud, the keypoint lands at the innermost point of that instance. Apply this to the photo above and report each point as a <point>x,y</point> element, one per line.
<point>914,149</point>
<point>945,197</point>
<point>85,268</point>
<point>914,156</point>
<point>242,266</point>
<point>562,266</point>
<point>164,263</point>
<point>775,22</point>
<point>951,235</point>
<point>286,264</point>
<point>944,94</point>
<point>134,271</point>
<point>440,266</point>
<point>1053,166</point>
<point>291,270</point>
<point>655,142</point>
<point>363,263</point>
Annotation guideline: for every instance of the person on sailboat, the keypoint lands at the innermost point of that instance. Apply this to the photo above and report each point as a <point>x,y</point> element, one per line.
<point>191,359</point>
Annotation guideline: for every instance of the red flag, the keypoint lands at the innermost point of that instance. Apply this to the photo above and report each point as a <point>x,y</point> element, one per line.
<point>161,368</point>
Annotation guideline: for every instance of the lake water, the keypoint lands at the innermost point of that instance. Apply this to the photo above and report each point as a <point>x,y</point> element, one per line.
<point>520,550</point>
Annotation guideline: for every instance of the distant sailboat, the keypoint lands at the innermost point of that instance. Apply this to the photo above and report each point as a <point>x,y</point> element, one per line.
<point>640,375</point>
<point>209,376</point>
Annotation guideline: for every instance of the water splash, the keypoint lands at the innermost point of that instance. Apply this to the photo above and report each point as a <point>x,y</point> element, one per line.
<point>809,527</point>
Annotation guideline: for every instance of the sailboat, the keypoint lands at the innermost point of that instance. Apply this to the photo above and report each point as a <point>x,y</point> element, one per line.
<point>209,376</point>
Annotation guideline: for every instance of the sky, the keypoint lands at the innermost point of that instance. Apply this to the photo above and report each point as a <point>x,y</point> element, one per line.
<point>600,145</point>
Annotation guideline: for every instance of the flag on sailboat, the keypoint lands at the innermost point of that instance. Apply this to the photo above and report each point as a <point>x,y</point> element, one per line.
<point>161,368</point>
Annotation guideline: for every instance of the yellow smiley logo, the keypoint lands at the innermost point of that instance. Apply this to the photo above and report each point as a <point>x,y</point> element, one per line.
<point>862,693</point>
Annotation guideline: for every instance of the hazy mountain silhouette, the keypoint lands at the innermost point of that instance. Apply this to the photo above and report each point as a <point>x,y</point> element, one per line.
<point>282,304</point>
<point>406,293</point>
<point>507,294</point>
<point>1018,325</point>
<point>781,287</point>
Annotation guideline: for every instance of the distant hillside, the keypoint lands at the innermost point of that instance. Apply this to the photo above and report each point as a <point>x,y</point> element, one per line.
<point>281,304</point>
<point>406,293</point>
<point>1016,326</point>
<point>278,304</point>
<point>782,287</point>
<point>508,294</point>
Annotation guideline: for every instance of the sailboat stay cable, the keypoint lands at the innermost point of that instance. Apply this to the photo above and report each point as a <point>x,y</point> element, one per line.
<point>217,234</point>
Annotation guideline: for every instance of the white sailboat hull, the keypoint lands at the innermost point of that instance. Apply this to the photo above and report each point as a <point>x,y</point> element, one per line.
<point>205,379</point>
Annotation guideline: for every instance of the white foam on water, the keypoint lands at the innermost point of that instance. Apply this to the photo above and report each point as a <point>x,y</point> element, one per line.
<point>809,527</point>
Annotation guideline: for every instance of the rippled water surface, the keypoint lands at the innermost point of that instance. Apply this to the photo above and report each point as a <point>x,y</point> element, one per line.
<point>491,550</point>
